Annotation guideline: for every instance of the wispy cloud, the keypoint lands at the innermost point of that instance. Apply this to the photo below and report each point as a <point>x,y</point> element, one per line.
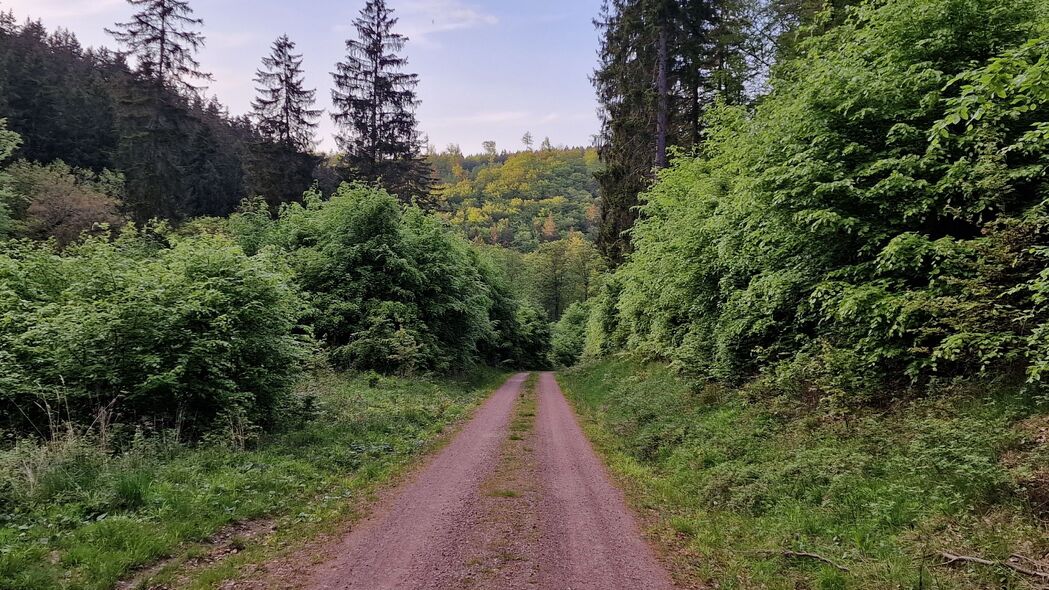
<point>60,9</point>
<point>564,117</point>
<point>422,20</point>
<point>231,40</point>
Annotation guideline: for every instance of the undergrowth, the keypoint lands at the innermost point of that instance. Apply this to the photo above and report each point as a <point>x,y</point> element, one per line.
<point>75,515</point>
<point>742,477</point>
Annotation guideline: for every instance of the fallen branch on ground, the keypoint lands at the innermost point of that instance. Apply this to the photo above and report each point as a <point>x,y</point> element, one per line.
<point>807,555</point>
<point>1011,563</point>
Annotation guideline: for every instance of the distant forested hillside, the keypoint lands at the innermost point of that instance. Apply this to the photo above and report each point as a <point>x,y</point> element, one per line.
<point>519,200</point>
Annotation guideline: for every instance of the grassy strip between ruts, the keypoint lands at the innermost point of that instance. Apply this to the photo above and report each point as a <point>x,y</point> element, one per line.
<point>750,487</point>
<point>74,516</point>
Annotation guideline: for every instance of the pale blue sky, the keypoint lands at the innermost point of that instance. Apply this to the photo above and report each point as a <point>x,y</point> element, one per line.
<point>489,69</point>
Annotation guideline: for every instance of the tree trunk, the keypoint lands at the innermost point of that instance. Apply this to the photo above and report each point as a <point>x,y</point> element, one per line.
<point>662,114</point>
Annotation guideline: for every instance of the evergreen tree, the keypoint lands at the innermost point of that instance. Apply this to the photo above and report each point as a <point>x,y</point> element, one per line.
<point>161,37</point>
<point>181,154</point>
<point>55,95</point>
<point>662,63</point>
<point>375,107</point>
<point>283,108</point>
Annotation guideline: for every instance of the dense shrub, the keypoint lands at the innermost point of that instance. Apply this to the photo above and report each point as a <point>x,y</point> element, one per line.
<point>57,201</point>
<point>9,141</point>
<point>884,207</point>
<point>189,334</point>
<point>520,336</point>
<point>530,338</point>
<point>389,288</point>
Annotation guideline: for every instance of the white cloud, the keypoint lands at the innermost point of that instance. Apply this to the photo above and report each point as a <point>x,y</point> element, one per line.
<point>421,20</point>
<point>60,9</point>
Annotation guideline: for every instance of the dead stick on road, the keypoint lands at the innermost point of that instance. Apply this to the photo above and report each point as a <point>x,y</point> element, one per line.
<point>954,558</point>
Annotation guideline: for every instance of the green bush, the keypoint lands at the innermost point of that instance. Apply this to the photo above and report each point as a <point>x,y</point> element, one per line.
<point>569,336</point>
<point>9,141</point>
<point>885,202</point>
<point>191,334</point>
<point>389,288</point>
<point>531,338</point>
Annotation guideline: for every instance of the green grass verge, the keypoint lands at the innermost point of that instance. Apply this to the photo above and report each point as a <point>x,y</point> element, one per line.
<point>738,478</point>
<point>73,516</point>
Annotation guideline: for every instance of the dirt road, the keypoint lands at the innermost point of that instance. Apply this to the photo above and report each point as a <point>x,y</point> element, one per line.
<point>590,539</point>
<point>518,500</point>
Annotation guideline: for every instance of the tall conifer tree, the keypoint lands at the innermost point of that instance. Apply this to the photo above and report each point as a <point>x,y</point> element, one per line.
<point>662,62</point>
<point>375,106</point>
<point>177,149</point>
<point>161,37</point>
<point>284,107</point>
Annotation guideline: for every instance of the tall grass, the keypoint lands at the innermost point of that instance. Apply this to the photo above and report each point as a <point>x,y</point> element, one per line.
<point>75,514</point>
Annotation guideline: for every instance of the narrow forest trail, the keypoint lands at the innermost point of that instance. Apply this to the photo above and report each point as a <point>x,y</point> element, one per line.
<point>518,500</point>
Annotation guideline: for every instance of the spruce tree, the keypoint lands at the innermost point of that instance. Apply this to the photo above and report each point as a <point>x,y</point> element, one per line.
<point>662,63</point>
<point>180,153</point>
<point>283,107</point>
<point>161,38</point>
<point>375,107</point>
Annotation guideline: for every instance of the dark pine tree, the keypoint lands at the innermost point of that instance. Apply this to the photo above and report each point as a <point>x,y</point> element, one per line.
<point>161,38</point>
<point>55,96</point>
<point>284,107</point>
<point>281,164</point>
<point>375,108</point>
<point>662,63</point>
<point>625,88</point>
<point>166,126</point>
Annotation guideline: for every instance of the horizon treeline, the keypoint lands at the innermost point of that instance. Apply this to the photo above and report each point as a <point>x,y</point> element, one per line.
<point>148,275</point>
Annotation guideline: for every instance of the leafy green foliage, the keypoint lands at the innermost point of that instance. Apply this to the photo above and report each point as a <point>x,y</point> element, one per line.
<point>389,289</point>
<point>9,141</point>
<point>569,336</point>
<point>531,338</point>
<point>519,200</point>
<point>190,334</point>
<point>880,213</point>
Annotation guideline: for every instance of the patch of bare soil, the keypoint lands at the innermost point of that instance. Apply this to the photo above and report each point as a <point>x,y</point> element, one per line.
<point>518,500</point>
<point>417,539</point>
<point>590,539</point>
